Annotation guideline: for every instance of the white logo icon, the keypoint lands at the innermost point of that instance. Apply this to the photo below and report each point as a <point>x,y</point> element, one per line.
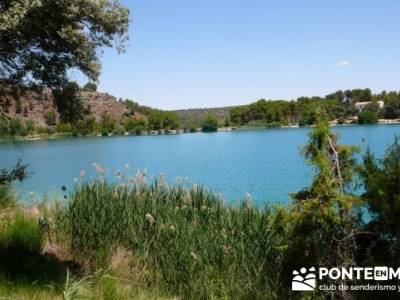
<point>304,281</point>
<point>381,273</point>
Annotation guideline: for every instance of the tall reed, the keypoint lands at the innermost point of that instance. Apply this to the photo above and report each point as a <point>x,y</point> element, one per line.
<point>187,240</point>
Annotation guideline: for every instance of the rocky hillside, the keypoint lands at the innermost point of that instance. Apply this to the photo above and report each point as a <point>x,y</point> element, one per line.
<point>34,106</point>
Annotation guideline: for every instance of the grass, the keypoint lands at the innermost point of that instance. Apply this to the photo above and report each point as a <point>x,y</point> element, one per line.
<point>6,197</point>
<point>20,235</point>
<point>122,240</point>
<point>177,239</point>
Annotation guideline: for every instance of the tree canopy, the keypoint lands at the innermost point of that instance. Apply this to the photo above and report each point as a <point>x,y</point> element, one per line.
<point>210,123</point>
<point>339,105</point>
<point>40,40</point>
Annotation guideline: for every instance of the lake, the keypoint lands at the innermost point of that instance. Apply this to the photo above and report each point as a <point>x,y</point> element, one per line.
<point>265,163</point>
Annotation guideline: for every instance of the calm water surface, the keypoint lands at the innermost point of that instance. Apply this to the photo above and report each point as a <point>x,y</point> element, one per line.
<point>267,163</point>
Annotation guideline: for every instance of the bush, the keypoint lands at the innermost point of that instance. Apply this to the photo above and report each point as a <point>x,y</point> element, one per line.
<point>50,117</point>
<point>309,118</point>
<point>4,128</point>
<point>20,235</point>
<point>41,130</point>
<point>30,127</point>
<point>107,124</point>
<point>273,125</point>
<point>17,128</point>
<point>63,127</point>
<point>69,104</point>
<point>367,117</point>
<point>209,123</point>
<point>6,198</point>
<point>84,127</point>
<point>90,86</point>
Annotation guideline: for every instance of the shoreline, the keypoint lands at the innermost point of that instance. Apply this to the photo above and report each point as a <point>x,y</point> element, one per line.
<point>60,136</point>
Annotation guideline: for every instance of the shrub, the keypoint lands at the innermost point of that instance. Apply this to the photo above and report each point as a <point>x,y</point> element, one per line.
<point>309,118</point>
<point>41,130</point>
<point>84,127</point>
<point>4,128</point>
<point>29,127</point>
<point>6,198</point>
<point>209,123</point>
<point>367,117</point>
<point>16,127</point>
<point>50,117</point>
<point>20,235</point>
<point>107,124</point>
<point>273,125</point>
<point>63,127</point>
<point>90,86</point>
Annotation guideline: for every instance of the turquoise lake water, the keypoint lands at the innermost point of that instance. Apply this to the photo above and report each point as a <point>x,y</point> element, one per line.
<point>265,163</point>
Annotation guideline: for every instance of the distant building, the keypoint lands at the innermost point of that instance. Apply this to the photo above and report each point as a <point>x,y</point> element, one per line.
<point>360,106</point>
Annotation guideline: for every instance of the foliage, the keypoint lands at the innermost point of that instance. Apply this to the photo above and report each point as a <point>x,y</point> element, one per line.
<point>69,104</point>
<point>30,127</point>
<point>158,120</point>
<point>6,197</point>
<point>18,173</point>
<point>392,105</point>
<point>367,117</point>
<point>20,235</point>
<point>309,117</point>
<point>90,86</point>
<point>192,117</point>
<point>16,127</point>
<point>227,122</point>
<point>185,239</point>
<point>84,127</point>
<point>135,125</point>
<point>50,117</point>
<point>324,214</point>
<point>209,123</point>
<point>133,107</point>
<point>381,179</point>
<point>76,288</point>
<point>41,40</point>
<point>63,128</point>
<point>4,128</point>
<point>107,124</point>
<point>303,111</point>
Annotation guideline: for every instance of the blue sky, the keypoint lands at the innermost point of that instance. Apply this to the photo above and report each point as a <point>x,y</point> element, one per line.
<point>208,53</point>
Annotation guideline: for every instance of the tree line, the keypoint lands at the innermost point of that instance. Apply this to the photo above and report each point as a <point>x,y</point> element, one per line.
<point>339,106</point>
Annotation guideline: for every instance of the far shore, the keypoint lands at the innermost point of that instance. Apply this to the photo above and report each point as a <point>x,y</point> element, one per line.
<point>59,136</point>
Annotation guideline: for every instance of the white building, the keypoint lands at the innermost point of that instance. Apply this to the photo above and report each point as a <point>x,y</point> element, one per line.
<point>361,105</point>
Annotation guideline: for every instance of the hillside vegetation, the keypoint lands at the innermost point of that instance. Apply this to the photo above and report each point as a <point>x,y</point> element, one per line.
<point>84,111</point>
<point>339,107</point>
<point>77,111</point>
